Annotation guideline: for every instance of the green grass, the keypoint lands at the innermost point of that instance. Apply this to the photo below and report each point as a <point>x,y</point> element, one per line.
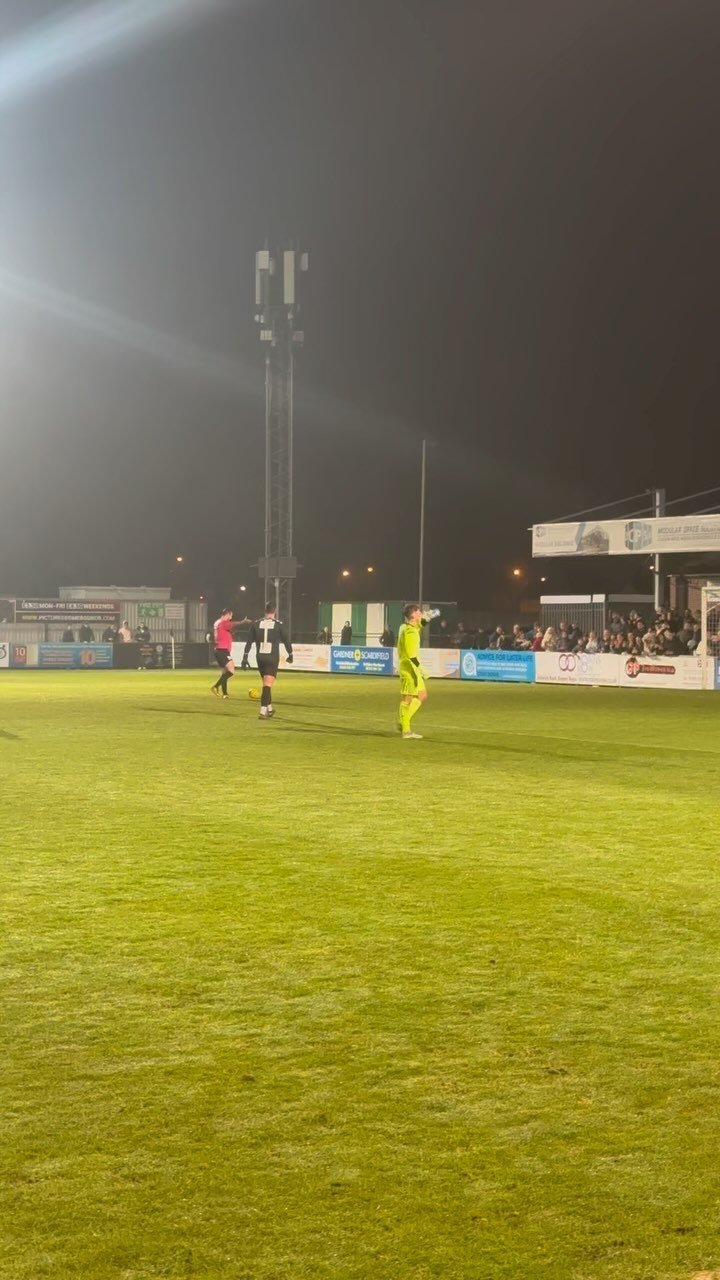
<point>300,999</point>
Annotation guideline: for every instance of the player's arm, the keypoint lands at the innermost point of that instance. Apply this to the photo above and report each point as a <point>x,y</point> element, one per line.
<point>412,645</point>
<point>288,646</point>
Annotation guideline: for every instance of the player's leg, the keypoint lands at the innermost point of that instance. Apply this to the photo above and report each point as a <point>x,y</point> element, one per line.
<point>228,673</point>
<point>268,679</point>
<point>413,694</point>
<point>221,657</point>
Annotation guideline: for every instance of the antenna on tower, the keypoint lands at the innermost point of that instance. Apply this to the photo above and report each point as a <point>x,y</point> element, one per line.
<point>277,307</point>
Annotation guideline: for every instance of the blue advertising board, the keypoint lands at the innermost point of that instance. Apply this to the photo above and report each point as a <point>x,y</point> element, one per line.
<point>79,656</point>
<point>517,666</point>
<point>358,660</point>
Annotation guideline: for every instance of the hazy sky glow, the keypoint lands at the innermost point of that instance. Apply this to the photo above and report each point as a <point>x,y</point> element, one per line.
<point>511,212</point>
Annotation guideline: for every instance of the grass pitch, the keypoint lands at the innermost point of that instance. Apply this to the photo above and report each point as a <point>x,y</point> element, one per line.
<point>301,999</point>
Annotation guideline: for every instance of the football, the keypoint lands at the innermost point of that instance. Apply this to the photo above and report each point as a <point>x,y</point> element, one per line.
<point>254,693</point>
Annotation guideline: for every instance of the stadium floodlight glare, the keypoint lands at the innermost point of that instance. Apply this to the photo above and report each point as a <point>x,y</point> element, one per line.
<point>517,573</point>
<point>345,573</point>
<point>57,47</point>
<point>371,568</point>
<point>179,559</point>
<point>228,375</point>
<point>243,588</point>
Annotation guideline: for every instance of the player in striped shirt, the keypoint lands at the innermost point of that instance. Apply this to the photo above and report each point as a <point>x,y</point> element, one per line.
<point>267,635</point>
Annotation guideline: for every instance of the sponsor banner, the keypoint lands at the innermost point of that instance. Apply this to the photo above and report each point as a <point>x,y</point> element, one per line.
<point>517,666</point>
<point>439,664</point>
<point>67,611</point>
<point>577,668</point>
<point>4,653</point>
<point>662,673</point>
<point>306,657</point>
<point>361,660</point>
<point>82,656</point>
<point>23,655</point>
<point>628,537</point>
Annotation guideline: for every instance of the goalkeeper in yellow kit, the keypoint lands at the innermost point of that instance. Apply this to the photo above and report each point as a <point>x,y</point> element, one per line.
<point>412,675</point>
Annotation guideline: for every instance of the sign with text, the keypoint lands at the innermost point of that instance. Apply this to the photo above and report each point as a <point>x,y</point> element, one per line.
<point>577,668</point>
<point>507,665</point>
<point>67,611</point>
<point>361,660</point>
<point>83,657</point>
<point>171,610</point>
<point>662,673</point>
<point>627,537</point>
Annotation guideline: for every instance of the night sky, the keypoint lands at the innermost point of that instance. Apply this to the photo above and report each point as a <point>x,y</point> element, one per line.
<point>511,209</point>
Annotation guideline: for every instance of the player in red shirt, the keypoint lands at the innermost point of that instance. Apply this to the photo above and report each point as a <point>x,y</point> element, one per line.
<point>223,635</point>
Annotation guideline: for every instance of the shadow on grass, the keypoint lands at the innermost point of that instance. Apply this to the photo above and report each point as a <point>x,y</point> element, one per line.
<point>12,737</point>
<point>341,730</point>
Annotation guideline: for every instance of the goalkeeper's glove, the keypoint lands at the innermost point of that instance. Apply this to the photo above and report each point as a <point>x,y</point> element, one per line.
<point>290,658</point>
<point>244,665</point>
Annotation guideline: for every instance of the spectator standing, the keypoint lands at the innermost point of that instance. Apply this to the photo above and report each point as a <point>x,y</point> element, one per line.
<point>68,636</point>
<point>549,640</point>
<point>325,636</point>
<point>695,639</point>
<point>111,635</point>
<point>125,633</point>
<point>387,638</point>
<point>86,635</point>
<point>346,634</point>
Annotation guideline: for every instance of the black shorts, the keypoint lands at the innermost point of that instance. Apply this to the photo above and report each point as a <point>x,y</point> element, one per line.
<point>222,657</point>
<point>267,666</point>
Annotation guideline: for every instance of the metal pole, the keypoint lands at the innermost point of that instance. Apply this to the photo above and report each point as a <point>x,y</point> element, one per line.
<point>659,511</point>
<point>268,477</point>
<point>422,524</point>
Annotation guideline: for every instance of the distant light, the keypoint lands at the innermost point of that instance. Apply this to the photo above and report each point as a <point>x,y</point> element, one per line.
<point>180,559</point>
<point>517,573</point>
<point>543,579</point>
<point>202,597</point>
<point>243,588</point>
<point>371,568</point>
<point>346,573</point>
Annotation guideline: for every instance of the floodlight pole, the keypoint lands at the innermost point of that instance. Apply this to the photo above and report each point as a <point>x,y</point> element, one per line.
<point>421,557</point>
<point>659,496</point>
<point>276,313</point>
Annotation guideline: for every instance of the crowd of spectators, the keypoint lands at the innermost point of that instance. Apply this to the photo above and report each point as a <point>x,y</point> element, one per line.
<point>666,632</point>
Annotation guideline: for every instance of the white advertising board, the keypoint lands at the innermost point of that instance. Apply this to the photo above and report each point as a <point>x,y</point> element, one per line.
<point>440,664</point>
<point>4,653</point>
<point>662,673</point>
<point>628,537</point>
<point>306,657</point>
<point>577,668</point>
